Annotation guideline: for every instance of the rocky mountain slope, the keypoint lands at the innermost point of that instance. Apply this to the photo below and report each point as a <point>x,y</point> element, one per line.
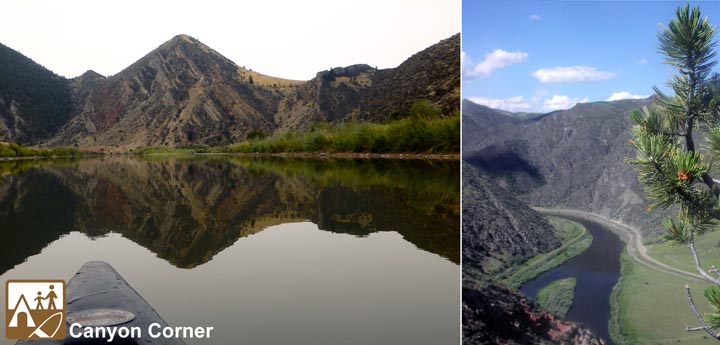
<point>498,229</point>
<point>34,102</point>
<point>433,74</point>
<point>574,158</point>
<point>481,125</point>
<point>181,93</point>
<point>332,95</point>
<point>494,314</point>
<point>185,93</point>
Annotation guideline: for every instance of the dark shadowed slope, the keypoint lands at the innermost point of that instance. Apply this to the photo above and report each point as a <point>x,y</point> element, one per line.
<point>34,102</point>
<point>498,230</point>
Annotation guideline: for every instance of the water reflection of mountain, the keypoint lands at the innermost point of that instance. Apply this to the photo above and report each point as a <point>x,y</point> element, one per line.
<point>186,211</point>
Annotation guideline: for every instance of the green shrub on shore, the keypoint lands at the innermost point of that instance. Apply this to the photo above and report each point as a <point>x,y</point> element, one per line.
<point>161,150</point>
<point>558,297</point>
<point>408,135</point>
<point>576,239</point>
<point>14,150</point>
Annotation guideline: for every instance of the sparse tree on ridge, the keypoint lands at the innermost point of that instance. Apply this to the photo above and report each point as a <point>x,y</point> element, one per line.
<point>670,163</point>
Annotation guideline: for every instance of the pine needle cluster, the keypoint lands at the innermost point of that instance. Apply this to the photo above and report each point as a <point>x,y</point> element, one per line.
<point>676,172</point>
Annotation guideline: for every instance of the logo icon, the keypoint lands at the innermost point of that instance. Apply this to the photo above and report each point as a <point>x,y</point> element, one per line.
<point>35,309</point>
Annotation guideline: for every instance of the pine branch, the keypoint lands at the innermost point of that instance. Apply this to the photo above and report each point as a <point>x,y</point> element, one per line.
<point>703,273</point>
<point>714,270</point>
<point>709,181</point>
<point>690,146</point>
<point>703,325</point>
<point>689,142</point>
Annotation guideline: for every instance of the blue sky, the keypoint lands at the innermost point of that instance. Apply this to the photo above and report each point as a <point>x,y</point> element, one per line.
<point>543,56</point>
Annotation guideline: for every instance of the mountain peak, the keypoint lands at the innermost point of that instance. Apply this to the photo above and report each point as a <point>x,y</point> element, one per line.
<point>183,37</point>
<point>182,53</point>
<point>90,74</point>
<point>183,40</point>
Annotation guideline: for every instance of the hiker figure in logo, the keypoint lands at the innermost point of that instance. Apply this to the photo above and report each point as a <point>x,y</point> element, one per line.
<point>51,296</point>
<point>39,299</point>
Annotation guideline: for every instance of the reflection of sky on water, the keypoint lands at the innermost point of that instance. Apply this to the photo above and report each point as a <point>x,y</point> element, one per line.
<point>287,284</point>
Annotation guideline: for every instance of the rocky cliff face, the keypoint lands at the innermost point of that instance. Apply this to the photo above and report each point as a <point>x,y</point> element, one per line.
<point>574,158</point>
<point>433,74</point>
<point>494,314</point>
<point>360,92</point>
<point>185,93</point>
<point>498,229</point>
<point>332,95</point>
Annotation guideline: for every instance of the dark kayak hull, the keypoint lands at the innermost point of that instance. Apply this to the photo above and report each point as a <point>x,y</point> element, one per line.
<point>98,286</point>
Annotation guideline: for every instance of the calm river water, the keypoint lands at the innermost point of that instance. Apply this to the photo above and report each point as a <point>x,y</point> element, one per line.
<point>267,251</point>
<point>596,270</point>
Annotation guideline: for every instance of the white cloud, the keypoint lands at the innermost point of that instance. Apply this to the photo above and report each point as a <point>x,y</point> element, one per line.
<point>536,104</point>
<point>571,74</point>
<point>640,61</point>
<point>535,16</point>
<point>616,96</point>
<point>495,60</point>
<point>465,62</point>
<point>517,103</point>
<point>558,102</point>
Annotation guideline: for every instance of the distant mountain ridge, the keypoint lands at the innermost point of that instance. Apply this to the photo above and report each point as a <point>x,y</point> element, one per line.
<point>185,93</point>
<point>575,158</point>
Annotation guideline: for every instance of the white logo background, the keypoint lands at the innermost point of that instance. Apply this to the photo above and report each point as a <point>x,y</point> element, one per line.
<point>30,290</point>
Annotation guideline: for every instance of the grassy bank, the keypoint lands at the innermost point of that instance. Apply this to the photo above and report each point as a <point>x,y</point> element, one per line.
<point>408,135</point>
<point>707,245</point>
<point>161,150</point>
<point>557,297</point>
<point>575,239</point>
<point>639,283</point>
<point>13,150</point>
<point>650,307</point>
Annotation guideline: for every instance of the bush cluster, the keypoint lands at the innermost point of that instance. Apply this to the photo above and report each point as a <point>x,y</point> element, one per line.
<point>417,134</point>
<point>10,150</point>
